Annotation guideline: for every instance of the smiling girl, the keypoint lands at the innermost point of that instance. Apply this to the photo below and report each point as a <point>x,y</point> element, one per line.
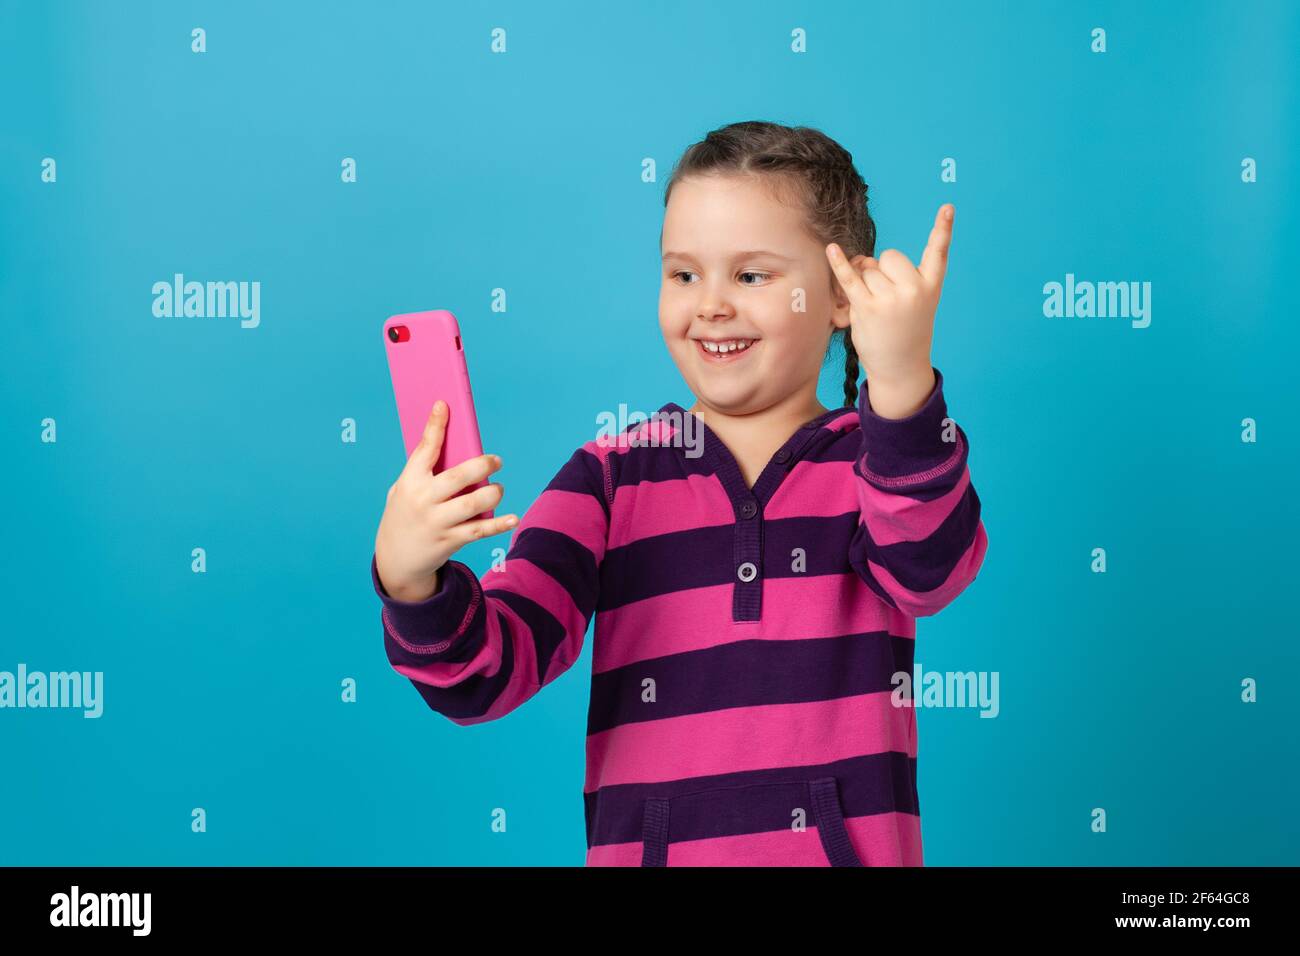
<point>754,605</point>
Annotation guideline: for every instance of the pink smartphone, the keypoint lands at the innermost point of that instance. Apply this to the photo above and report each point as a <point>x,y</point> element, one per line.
<point>426,360</point>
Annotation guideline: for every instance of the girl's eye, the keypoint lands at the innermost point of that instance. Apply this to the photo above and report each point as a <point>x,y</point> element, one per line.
<point>765,275</point>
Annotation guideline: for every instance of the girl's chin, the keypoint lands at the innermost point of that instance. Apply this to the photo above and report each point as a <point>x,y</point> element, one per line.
<point>727,401</point>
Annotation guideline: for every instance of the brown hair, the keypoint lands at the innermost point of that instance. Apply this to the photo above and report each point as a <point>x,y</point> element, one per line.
<point>823,180</point>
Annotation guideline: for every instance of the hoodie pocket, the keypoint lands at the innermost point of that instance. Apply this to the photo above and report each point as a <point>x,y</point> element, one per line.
<point>754,808</point>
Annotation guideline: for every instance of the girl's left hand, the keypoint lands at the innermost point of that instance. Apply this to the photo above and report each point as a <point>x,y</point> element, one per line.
<point>891,309</point>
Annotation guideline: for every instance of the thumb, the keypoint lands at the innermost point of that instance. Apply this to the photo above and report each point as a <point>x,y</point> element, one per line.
<point>425,454</point>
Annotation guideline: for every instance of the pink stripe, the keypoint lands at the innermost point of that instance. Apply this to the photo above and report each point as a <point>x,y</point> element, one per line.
<point>521,576</point>
<point>881,839</point>
<point>824,605</point>
<point>447,674</point>
<point>661,507</point>
<point>523,682</point>
<point>891,518</point>
<point>749,738</point>
<point>486,662</point>
<point>815,489</point>
<point>576,514</point>
<point>646,432</point>
<point>846,422</point>
<point>922,603</point>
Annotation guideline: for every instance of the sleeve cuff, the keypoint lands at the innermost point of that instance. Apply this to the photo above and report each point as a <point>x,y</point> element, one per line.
<point>911,449</point>
<point>439,624</point>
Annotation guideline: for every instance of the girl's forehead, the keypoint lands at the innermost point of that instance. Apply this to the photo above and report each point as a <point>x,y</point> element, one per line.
<point>742,216</point>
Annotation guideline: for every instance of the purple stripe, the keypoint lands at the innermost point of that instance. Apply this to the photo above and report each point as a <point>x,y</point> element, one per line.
<point>566,560</point>
<point>666,563</point>
<point>752,801</point>
<point>905,446</point>
<point>924,565</point>
<point>582,474</point>
<point>473,696</point>
<point>776,672</point>
<point>547,633</point>
<point>704,557</point>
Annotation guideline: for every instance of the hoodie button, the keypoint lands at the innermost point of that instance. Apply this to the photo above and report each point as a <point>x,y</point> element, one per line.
<point>747,572</point>
<point>748,509</point>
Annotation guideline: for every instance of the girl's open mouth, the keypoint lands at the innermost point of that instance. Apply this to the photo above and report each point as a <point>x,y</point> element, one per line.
<point>724,352</point>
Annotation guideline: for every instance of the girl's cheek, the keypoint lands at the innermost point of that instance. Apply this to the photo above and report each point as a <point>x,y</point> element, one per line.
<point>789,298</point>
<point>672,306</point>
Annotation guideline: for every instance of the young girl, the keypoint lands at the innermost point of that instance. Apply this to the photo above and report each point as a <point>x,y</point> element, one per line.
<point>755,599</point>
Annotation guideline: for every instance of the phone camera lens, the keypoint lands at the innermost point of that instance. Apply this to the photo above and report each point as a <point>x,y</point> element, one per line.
<point>392,334</point>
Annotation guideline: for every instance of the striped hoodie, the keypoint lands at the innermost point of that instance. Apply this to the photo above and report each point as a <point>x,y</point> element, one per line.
<point>746,639</point>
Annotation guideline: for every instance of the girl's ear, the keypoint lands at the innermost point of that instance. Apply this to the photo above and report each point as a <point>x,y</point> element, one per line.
<point>840,311</point>
<point>840,314</point>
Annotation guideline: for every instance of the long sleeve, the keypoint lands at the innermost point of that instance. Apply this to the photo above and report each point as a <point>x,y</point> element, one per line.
<point>480,647</point>
<point>920,540</point>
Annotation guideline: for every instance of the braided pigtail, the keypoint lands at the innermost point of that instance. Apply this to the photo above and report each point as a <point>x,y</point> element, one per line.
<point>851,368</point>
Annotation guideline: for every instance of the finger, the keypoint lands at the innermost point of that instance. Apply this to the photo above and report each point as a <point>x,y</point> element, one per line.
<point>875,280</point>
<point>934,261</point>
<point>425,454</point>
<point>485,527</point>
<point>862,263</point>
<point>849,278</point>
<point>471,471</point>
<point>461,508</point>
<point>898,268</point>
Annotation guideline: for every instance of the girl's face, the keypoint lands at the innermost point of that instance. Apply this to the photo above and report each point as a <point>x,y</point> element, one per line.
<point>738,264</point>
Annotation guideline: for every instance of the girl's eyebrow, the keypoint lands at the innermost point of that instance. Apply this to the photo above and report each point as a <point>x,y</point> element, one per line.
<point>748,254</point>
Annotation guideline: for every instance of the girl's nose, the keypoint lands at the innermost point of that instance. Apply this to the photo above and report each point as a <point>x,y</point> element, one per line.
<point>711,306</point>
<point>713,300</point>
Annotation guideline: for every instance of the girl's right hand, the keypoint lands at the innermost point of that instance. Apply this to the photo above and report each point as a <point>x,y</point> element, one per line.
<point>427,519</point>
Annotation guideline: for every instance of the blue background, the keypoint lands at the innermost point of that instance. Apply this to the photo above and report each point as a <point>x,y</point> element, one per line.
<point>522,171</point>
